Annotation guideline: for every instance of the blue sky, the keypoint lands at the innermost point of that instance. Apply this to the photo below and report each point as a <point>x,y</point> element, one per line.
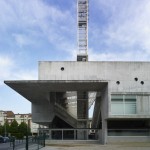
<point>39,30</point>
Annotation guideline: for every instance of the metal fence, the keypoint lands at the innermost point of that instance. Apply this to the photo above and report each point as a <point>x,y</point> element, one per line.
<point>28,143</point>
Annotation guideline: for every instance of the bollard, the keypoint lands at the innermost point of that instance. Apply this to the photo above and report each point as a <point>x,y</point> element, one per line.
<point>38,142</point>
<point>27,141</point>
<point>44,137</point>
<point>13,143</point>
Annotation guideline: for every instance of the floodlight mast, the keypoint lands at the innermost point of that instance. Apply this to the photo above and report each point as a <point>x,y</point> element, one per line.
<point>82,35</point>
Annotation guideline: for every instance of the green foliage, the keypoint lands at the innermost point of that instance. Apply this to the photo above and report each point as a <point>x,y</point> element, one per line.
<point>6,125</point>
<point>19,131</point>
<point>18,135</point>
<point>14,127</point>
<point>22,128</point>
<point>1,129</point>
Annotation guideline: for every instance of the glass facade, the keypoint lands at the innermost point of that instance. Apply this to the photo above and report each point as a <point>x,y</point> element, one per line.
<point>123,104</point>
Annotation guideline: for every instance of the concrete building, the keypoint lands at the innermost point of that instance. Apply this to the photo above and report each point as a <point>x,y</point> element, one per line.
<point>64,92</point>
<point>60,97</point>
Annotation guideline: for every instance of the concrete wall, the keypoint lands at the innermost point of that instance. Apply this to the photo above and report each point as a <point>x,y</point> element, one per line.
<point>143,105</point>
<point>124,72</point>
<point>42,113</point>
<point>94,70</point>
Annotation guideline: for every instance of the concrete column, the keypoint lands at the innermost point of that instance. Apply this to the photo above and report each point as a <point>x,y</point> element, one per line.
<point>74,134</point>
<point>104,131</point>
<point>104,109</point>
<point>82,114</point>
<point>81,133</point>
<point>50,134</point>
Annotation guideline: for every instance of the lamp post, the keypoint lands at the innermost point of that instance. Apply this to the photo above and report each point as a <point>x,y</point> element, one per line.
<point>5,115</point>
<point>27,136</point>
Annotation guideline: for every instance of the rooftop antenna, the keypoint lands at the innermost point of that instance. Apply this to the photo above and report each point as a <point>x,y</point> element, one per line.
<point>82,35</point>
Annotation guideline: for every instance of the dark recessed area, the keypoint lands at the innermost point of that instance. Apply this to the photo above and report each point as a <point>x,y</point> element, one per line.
<point>142,82</point>
<point>136,79</point>
<point>118,82</point>
<point>62,69</point>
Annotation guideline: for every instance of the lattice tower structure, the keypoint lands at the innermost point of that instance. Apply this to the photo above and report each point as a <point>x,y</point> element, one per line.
<point>82,35</point>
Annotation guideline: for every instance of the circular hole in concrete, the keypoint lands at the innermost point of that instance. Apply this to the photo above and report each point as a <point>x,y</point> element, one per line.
<point>62,68</point>
<point>142,82</point>
<point>118,82</point>
<point>136,79</point>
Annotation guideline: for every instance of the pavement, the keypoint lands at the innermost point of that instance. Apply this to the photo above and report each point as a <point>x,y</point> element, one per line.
<point>4,146</point>
<point>120,146</point>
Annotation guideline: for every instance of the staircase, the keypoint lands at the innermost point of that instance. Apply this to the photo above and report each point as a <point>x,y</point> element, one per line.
<point>64,115</point>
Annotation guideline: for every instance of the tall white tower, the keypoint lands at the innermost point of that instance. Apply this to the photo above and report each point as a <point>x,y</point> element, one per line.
<point>82,35</point>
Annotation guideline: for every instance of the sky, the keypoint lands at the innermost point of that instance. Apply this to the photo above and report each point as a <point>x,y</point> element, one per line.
<point>46,30</point>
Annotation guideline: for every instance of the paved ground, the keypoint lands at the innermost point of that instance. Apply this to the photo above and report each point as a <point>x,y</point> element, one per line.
<point>121,146</point>
<point>4,146</point>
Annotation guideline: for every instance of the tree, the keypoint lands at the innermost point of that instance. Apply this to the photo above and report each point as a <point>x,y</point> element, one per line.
<point>14,127</point>
<point>1,129</point>
<point>6,127</point>
<point>22,128</point>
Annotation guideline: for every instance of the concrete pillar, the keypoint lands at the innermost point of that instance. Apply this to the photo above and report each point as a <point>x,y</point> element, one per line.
<point>82,133</point>
<point>104,112</point>
<point>50,134</point>
<point>104,132</point>
<point>82,114</point>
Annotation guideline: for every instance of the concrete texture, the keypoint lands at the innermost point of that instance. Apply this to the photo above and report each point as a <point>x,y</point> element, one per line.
<point>107,78</point>
<point>39,92</point>
<point>121,146</point>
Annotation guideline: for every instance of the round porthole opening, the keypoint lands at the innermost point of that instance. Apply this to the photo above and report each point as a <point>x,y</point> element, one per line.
<point>118,82</point>
<point>136,79</point>
<point>62,68</point>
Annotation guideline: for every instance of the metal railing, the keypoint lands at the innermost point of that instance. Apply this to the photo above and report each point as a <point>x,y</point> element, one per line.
<point>71,134</point>
<point>28,143</point>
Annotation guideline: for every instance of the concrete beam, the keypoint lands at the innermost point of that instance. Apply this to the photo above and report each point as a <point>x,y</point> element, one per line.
<point>38,90</point>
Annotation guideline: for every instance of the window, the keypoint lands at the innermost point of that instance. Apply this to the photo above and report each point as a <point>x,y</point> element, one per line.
<point>123,104</point>
<point>130,104</point>
<point>117,104</point>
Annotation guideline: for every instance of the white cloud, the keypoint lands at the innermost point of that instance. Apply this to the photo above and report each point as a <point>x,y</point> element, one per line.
<point>22,39</point>
<point>25,75</point>
<point>126,34</point>
<point>29,20</point>
<point>9,70</point>
<point>123,56</point>
<point>6,64</point>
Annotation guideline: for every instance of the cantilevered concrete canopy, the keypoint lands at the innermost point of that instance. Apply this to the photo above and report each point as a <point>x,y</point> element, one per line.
<point>37,90</point>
